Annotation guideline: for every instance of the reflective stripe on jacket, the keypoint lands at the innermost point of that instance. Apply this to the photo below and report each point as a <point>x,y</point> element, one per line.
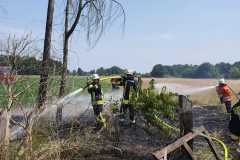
<point>96,94</point>
<point>125,101</point>
<point>99,102</point>
<point>129,86</point>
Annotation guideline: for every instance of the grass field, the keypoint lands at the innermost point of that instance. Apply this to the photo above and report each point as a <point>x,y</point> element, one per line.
<point>30,95</point>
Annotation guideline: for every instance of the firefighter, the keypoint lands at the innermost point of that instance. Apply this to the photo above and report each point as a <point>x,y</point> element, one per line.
<point>129,88</point>
<point>234,124</point>
<point>95,90</point>
<point>224,93</point>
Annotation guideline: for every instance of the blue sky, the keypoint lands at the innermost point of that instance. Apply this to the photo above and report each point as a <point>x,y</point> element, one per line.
<point>156,31</point>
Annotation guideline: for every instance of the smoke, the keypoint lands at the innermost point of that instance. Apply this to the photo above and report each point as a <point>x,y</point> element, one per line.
<point>75,106</point>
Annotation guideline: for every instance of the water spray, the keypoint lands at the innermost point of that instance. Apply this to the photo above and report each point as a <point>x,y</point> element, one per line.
<point>183,89</point>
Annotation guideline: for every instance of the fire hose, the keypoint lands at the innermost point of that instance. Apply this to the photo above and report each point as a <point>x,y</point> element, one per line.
<point>224,146</point>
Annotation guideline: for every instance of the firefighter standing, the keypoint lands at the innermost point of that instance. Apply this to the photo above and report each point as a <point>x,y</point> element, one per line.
<point>129,88</point>
<point>224,93</point>
<point>95,90</point>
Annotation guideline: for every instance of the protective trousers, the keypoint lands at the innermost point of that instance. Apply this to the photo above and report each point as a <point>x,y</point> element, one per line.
<point>97,108</point>
<point>124,108</point>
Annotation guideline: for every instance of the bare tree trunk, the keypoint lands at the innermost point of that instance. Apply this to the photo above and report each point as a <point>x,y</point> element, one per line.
<point>4,134</point>
<point>5,127</point>
<point>64,65</point>
<point>27,142</point>
<point>42,95</point>
<point>65,52</point>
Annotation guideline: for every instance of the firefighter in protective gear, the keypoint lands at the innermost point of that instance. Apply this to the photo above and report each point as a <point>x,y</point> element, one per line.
<point>224,93</point>
<point>234,124</point>
<point>95,90</point>
<point>129,88</point>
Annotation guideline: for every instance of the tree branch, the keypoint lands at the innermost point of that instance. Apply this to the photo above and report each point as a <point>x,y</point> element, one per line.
<point>77,19</point>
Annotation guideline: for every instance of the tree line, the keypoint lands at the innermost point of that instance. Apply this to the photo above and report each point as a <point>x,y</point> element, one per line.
<point>204,70</point>
<point>114,70</point>
<point>29,65</point>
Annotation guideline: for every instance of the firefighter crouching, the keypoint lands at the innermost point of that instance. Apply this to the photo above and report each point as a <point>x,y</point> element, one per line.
<point>95,90</point>
<point>129,88</point>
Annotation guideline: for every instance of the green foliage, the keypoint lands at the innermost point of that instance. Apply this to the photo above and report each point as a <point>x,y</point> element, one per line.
<point>29,97</point>
<point>110,71</point>
<point>153,104</point>
<point>205,70</point>
<point>224,69</point>
<point>173,71</point>
<point>114,70</point>
<point>80,72</point>
<point>113,106</point>
<point>235,72</point>
<point>28,65</point>
<point>160,71</point>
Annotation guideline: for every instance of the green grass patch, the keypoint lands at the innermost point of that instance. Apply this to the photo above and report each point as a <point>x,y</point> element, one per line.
<point>29,96</point>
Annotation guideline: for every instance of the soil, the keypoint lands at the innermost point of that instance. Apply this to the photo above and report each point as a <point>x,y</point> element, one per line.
<point>215,120</point>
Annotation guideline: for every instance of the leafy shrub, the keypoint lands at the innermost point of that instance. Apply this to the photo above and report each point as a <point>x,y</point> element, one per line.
<point>154,104</point>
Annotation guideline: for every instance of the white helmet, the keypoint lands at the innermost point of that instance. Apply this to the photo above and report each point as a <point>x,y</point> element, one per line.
<point>130,72</point>
<point>95,77</point>
<point>221,81</point>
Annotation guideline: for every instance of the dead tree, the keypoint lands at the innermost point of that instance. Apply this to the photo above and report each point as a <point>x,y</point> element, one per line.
<point>43,85</point>
<point>65,51</point>
<point>5,123</point>
<point>13,48</point>
<point>92,16</point>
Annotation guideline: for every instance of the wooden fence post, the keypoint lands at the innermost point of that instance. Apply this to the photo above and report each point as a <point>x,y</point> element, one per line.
<point>185,116</point>
<point>59,114</point>
<point>59,120</point>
